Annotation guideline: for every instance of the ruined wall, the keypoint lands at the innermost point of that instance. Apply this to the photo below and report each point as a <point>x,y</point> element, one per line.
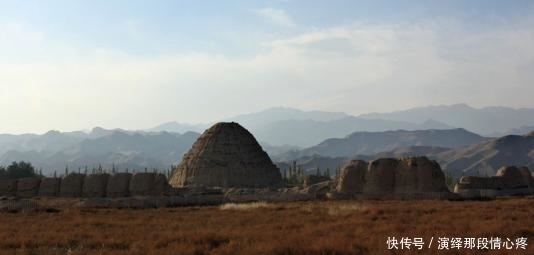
<point>72,185</point>
<point>314,179</point>
<point>95,185</point>
<point>148,184</point>
<point>512,177</point>
<point>90,186</point>
<point>388,176</point>
<point>118,185</point>
<point>419,175</point>
<point>527,175</point>
<point>49,187</point>
<point>406,176</point>
<point>160,185</point>
<point>8,187</point>
<point>28,187</point>
<point>475,182</point>
<point>380,176</point>
<point>352,177</point>
<point>509,180</point>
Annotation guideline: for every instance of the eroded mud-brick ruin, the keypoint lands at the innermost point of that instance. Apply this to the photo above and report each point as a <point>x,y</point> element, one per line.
<point>226,155</point>
<point>92,185</point>
<point>508,181</point>
<point>387,176</point>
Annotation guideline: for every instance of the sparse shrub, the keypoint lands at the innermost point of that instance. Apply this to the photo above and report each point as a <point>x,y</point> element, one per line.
<point>244,206</point>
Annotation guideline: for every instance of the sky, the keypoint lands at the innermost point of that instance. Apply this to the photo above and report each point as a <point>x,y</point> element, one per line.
<point>73,65</point>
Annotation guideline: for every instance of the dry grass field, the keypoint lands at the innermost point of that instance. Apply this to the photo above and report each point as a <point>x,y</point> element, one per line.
<point>320,227</point>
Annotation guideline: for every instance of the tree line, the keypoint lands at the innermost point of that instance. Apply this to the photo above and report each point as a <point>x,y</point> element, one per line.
<point>294,176</point>
<point>18,170</point>
<point>22,169</point>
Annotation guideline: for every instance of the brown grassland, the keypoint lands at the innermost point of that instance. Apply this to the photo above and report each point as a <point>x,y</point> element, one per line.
<point>319,227</point>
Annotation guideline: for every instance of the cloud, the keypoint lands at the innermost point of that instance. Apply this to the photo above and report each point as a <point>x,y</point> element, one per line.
<point>276,16</point>
<point>19,35</point>
<point>419,63</point>
<point>356,68</point>
<point>132,28</point>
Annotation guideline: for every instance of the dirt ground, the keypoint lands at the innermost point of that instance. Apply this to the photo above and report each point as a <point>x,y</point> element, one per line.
<point>318,227</point>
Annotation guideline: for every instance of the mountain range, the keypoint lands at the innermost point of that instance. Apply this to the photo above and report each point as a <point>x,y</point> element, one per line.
<point>488,121</point>
<point>287,126</point>
<point>485,158</point>
<point>481,158</point>
<point>107,148</point>
<point>313,138</point>
<point>369,143</point>
<point>282,126</point>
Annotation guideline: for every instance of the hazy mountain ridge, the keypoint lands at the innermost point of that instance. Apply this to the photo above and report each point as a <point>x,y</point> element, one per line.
<point>281,126</point>
<point>483,158</point>
<point>487,157</point>
<point>178,127</point>
<point>523,130</point>
<point>124,149</point>
<point>266,117</point>
<point>311,163</point>
<point>289,126</point>
<point>370,143</point>
<point>486,121</point>
<point>52,140</point>
<point>278,130</point>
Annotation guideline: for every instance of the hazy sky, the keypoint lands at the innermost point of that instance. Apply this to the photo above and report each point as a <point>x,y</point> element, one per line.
<point>71,65</point>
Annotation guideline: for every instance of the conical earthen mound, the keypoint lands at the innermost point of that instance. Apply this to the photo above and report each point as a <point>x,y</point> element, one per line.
<point>226,155</point>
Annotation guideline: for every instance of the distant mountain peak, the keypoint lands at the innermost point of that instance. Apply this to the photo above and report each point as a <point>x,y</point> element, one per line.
<point>190,133</point>
<point>97,130</point>
<point>461,105</point>
<point>292,109</point>
<point>486,120</point>
<point>507,139</point>
<point>280,108</point>
<point>368,143</point>
<point>52,133</point>
<point>430,121</point>
<point>278,113</point>
<point>178,127</point>
<point>434,124</point>
<point>120,133</point>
